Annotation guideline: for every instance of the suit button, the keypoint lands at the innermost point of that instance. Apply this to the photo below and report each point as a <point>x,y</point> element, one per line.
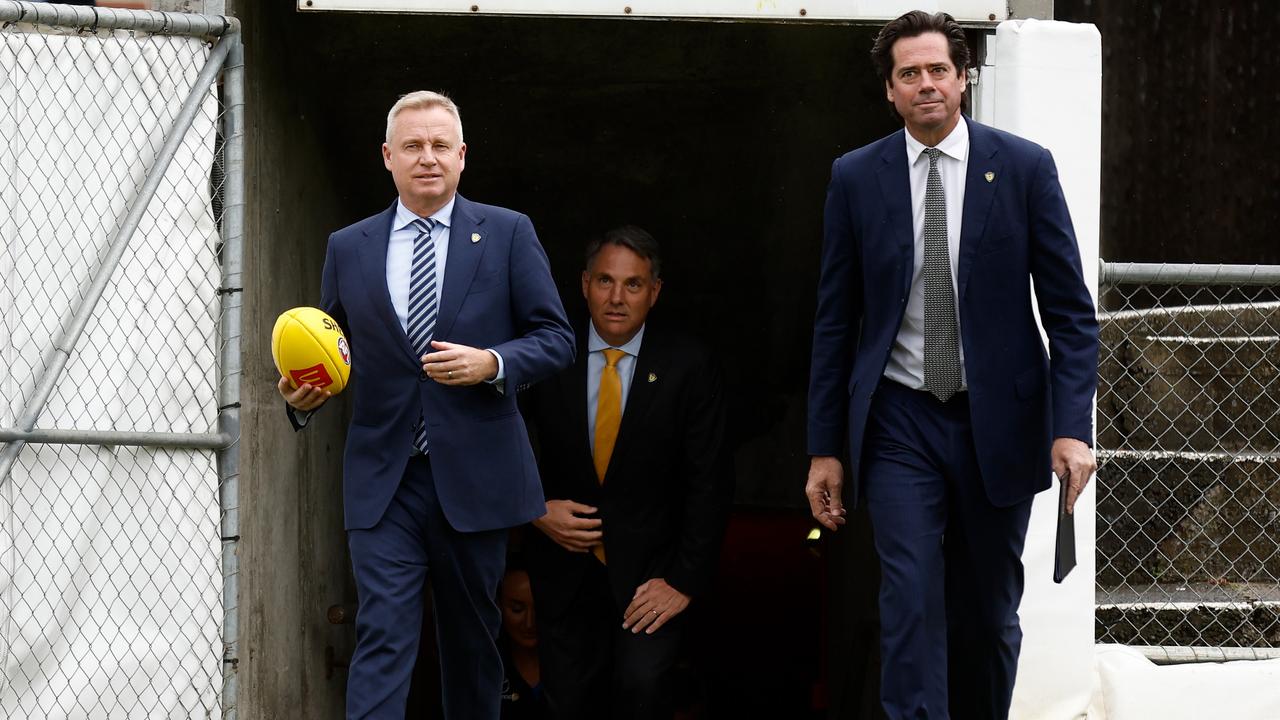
<point>422,376</point>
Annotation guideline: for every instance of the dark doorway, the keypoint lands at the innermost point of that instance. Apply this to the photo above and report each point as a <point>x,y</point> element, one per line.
<point>718,139</point>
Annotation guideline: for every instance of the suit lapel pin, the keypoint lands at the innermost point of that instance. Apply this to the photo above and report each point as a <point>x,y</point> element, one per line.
<point>653,377</point>
<point>475,237</point>
<point>990,176</point>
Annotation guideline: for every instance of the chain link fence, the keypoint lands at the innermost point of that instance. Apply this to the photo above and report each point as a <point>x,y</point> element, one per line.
<point>120,219</point>
<point>1189,449</point>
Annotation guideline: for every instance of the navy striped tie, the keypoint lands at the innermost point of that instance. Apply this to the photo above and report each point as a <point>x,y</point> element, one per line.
<point>423,304</point>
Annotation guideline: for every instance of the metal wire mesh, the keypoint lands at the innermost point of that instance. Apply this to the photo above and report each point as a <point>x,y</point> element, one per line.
<point>1189,471</point>
<point>110,556</point>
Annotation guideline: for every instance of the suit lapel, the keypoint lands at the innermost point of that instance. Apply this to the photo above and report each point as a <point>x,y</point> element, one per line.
<point>895,189</point>
<point>373,264</point>
<point>979,191</point>
<point>466,245</point>
<point>650,363</point>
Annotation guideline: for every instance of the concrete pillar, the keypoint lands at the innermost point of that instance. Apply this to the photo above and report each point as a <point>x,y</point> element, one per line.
<point>293,550</point>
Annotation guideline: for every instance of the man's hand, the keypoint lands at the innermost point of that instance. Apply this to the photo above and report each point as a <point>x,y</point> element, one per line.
<point>1074,464</point>
<point>571,532</point>
<point>305,397</point>
<point>826,476</point>
<point>654,603</point>
<point>454,364</point>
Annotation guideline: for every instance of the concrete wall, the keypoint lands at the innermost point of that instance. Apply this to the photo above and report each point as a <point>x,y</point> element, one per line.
<point>293,551</point>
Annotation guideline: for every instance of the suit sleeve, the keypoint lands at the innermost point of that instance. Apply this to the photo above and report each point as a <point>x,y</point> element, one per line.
<point>332,305</point>
<point>708,471</point>
<point>1066,308</point>
<point>544,339</point>
<point>836,323</point>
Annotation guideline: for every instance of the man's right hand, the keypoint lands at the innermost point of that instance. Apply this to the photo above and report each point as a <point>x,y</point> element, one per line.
<point>826,476</point>
<point>563,524</point>
<point>304,398</point>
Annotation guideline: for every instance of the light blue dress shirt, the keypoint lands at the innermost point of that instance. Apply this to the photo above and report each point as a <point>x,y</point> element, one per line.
<point>400,254</point>
<point>400,262</point>
<point>595,365</point>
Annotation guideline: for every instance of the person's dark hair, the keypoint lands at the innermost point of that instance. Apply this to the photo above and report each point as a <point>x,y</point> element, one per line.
<point>914,24</point>
<point>634,239</point>
<point>515,563</point>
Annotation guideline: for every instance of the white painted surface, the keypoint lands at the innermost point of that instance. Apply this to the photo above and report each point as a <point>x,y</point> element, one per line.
<point>1048,89</point>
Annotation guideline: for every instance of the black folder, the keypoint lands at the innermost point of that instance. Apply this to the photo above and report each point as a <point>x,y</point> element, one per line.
<point>1064,553</point>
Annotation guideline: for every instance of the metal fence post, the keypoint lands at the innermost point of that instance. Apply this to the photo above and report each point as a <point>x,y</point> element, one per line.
<point>229,403</point>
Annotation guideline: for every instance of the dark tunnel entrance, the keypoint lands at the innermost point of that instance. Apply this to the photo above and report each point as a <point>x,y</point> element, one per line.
<point>717,138</point>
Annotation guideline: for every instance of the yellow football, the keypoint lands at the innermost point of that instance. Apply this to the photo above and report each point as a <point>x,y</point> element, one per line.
<point>309,347</point>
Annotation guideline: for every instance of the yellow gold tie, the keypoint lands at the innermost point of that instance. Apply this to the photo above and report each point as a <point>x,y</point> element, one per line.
<point>608,417</point>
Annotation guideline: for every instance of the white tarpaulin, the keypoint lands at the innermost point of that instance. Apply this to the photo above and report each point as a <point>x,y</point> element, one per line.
<point>1131,687</point>
<point>110,583</point>
<point>1048,80</point>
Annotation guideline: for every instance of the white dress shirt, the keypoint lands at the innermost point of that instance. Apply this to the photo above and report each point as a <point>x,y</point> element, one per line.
<point>595,365</point>
<point>906,358</point>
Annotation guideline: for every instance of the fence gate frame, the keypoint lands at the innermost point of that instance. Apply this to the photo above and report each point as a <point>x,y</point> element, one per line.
<point>224,66</point>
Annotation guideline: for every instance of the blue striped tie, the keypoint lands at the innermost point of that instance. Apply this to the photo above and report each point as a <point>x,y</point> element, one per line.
<point>422,305</point>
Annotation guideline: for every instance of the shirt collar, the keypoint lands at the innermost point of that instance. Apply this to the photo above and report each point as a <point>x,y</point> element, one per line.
<point>955,145</point>
<point>595,343</point>
<point>405,217</point>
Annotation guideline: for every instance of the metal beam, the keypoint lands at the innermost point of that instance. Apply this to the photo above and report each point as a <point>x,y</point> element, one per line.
<point>1187,274</point>
<point>208,441</point>
<point>96,18</point>
<point>1177,655</point>
<point>233,198</point>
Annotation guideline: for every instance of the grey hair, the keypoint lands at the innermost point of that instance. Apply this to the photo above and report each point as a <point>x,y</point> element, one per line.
<point>421,100</point>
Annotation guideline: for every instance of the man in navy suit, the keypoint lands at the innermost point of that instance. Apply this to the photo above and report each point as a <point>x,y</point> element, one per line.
<point>438,463</point>
<point>928,360</point>
<point>638,485</point>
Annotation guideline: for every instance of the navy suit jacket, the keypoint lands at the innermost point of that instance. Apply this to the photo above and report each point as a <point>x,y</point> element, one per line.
<point>1015,233</point>
<point>666,494</point>
<point>497,293</point>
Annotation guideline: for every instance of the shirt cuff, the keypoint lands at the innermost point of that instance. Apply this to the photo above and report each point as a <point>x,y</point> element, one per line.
<point>300,417</point>
<point>499,380</point>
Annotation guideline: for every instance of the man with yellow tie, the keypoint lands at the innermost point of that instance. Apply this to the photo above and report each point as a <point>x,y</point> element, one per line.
<point>638,483</point>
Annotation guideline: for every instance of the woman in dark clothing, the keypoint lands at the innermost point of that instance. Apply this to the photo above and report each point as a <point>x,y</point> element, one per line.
<point>522,697</point>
